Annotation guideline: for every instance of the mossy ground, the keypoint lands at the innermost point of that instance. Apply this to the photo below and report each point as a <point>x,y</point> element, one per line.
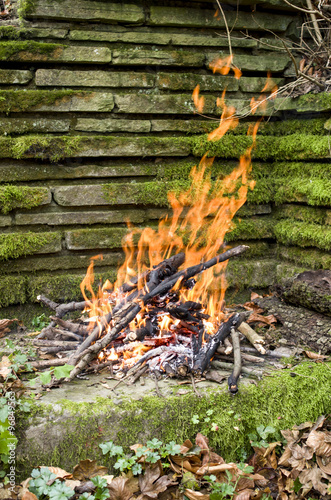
<point>283,399</point>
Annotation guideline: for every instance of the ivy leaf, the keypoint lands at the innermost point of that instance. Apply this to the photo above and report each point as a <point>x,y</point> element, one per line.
<point>63,371</point>
<point>45,377</point>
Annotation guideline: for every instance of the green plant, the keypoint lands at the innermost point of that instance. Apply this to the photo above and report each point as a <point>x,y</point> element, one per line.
<point>259,439</point>
<point>58,372</point>
<point>39,322</point>
<point>221,491</point>
<point>101,492</point>
<point>44,484</point>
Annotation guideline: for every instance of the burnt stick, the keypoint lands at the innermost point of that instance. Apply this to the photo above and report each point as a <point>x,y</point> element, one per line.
<point>233,379</point>
<point>58,332</point>
<point>81,330</point>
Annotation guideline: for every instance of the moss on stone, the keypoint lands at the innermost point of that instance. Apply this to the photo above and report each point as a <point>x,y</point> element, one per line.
<point>312,126</point>
<point>14,245</point>
<point>241,273</point>
<point>12,289</point>
<point>276,401</point>
<point>25,312</point>
<point>254,228</point>
<point>12,197</point>
<point>313,259</point>
<point>301,212</point>
<point>25,7</point>
<point>303,234</point>
<point>40,146</point>
<point>14,50</point>
<point>23,100</point>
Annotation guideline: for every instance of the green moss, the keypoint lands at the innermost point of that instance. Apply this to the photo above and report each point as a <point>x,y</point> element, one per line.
<point>14,50</point>
<point>12,290</point>
<point>64,288</point>
<point>20,197</point>
<point>10,32</point>
<point>313,259</point>
<point>312,126</point>
<point>98,238</point>
<point>303,234</point>
<point>241,273</point>
<point>276,401</point>
<point>323,99</point>
<point>251,229</point>
<point>23,100</point>
<point>40,146</point>
<point>25,312</point>
<point>16,245</point>
<point>292,147</point>
<point>25,8</point>
<point>301,212</point>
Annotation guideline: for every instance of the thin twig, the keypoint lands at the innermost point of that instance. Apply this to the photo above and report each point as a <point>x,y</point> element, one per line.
<point>194,386</point>
<point>226,27</point>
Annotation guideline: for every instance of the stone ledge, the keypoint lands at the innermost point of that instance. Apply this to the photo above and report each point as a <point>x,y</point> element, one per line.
<point>82,10</point>
<point>305,103</point>
<point>187,81</point>
<point>75,78</point>
<point>90,239</point>
<point>262,62</point>
<point>158,104</point>
<point>190,17</point>
<point>15,77</point>
<point>111,125</point>
<point>22,125</point>
<point>164,57</point>
<point>83,218</point>
<point>64,54</point>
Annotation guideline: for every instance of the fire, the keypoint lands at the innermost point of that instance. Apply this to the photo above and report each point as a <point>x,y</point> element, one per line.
<point>201,218</point>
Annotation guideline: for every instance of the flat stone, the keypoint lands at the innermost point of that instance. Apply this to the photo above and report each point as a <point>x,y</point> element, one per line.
<point>74,78</point>
<point>12,290</point>
<point>190,17</point>
<point>262,62</point>
<point>87,10</point>
<point>243,107</point>
<point>71,196</point>
<point>211,41</point>
<point>53,246</point>
<point>94,101</point>
<point>110,125</point>
<point>156,104</point>
<point>247,210</point>
<point>164,57</point>
<point>58,263</point>
<point>85,239</point>
<point>21,125</point>
<point>21,171</point>
<point>83,55</point>
<point>257,83</point>
<point>274,44</point>
<point>47,33</point>
<point>86,218</point>
<point>5,220</point>
<point>188,126</point>
<point>188,81</point>
<point>126,37</point>
<point>15,76</point>
<point>305,103</point>
<point>256,273</point>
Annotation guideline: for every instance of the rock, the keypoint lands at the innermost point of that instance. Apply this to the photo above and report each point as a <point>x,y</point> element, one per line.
<point>84,239</point>
<point>188,81</point>
<point>125,37</point>
<point>190,17</point>
<point>311,289</point>
<point>61,77</point>
<point>257,83</point>
<point>15,76</point>
<point>5,220</point>
<point>261,62</point>
<point>21,125</point>
<point>156,104</point>
<point>84,101</point>
<point>164,57</point>
<point>75,54</point>
<point>111,125</point>
<point>305,103</point>
<point>86,11</point>
<point>66,218</point>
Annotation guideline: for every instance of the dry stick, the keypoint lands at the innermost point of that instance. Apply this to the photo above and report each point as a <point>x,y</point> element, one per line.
<point>54,343</point>
<point>64,333</point>
<point>47,363</point>
<point>229,367</point>
<point>252,336</point>
<point>134,308</point>
<point>60,310</point>
<point>74,328</point>
<point>233,379</point>
<point>194,386</point>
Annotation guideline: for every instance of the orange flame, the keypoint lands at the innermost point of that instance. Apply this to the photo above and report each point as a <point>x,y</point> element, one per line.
<point>199,102</point>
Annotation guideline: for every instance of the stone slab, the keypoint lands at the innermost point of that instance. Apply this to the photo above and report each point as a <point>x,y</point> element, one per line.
<point>90,239</point>
<point>305,103</point>
<point>188,81</point>
<point>75,54</point>
<point>58,263</point>
<point>5,220</point>
<point>74,78</point>
<point>46,33</point>
<point>163,57</point>
<point>94,101</point>
<point>12,290</point>
<point>53,246</point>
<point>15,77</point>
<point>86,11</point>
<point>262,62</point>
<point>243,107</point>
<point>82,217</point>
<point>157,104</point>
<point>111,125</point>
<point>187,126</point>
<point>257,83</point>
<point>21,125</point>
<point>191,17</point>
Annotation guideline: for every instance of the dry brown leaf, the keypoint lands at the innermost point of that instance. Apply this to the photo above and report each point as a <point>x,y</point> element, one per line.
<point>60,473</point>
<point>4,323</point>
<point>72,483</point>
<point>244,495</point>
<point>320,442</point>
<point>285,457</point>
<point>314,355</point>
<point>251,306</point>
<point>5,367</point>
<point>123,488</point>
<point>151,484</point>
<point>195,495</point>
<point>202,442</point>
<point>324,464</point>
<point>214,469</point>
<point>268,320</point>
<point>290,435</point>
<point>255,295</point>
<point>87,469</point>
<point>312,478</point>
<point>29,496</point>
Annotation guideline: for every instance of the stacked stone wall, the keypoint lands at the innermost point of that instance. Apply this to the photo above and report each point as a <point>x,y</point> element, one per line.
<point>97,125</point>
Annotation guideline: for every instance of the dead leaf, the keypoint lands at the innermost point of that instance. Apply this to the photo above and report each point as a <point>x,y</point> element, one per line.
<point>151,484</point>
<point>5,367</point>
<point>324,464</point>
<point>251,306</point>
<point>312,478</point>
<point>195,495</point>
<point>314,355</point>
<point>4,323</point>
<point>320,442</point>
<point>214,469</point>
<point>255,295</point>
<point>29,496</point>
<point>244,495</point>
<point>87,469</point>
<point>202,442</point>
<point>72,483</point>
<point>268,320</point>
<point>123,488</point>
<point>60,473</point>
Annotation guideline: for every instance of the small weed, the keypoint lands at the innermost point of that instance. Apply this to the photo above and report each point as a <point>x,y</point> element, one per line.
<point>39,322</point>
